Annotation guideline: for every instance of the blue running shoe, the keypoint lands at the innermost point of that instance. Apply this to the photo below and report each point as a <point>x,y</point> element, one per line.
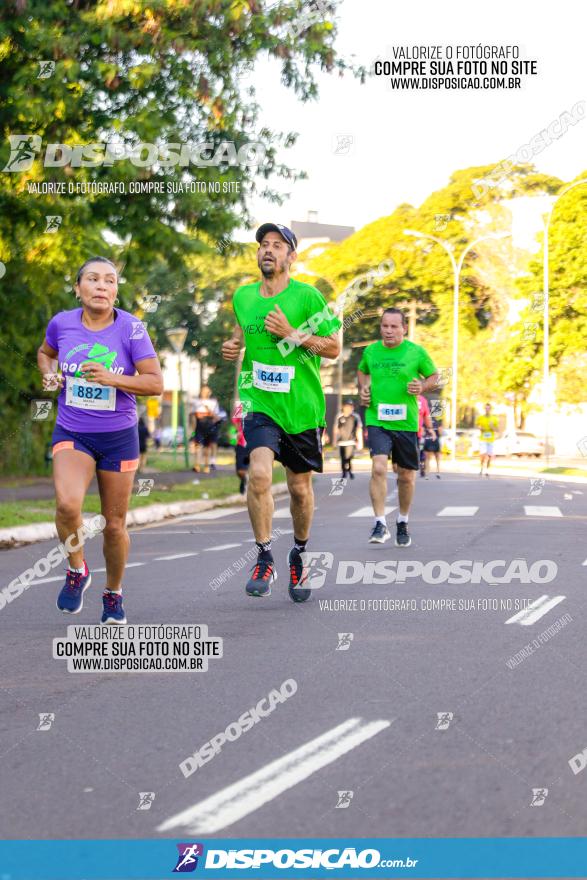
<point>262,576</point>
<point>113,608</point>
<point>71,598</point>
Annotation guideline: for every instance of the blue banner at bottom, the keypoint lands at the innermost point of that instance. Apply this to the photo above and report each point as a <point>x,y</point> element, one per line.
<point>287,858</point>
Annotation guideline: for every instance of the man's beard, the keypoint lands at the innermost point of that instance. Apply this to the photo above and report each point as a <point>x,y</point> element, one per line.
<point>268,270</point>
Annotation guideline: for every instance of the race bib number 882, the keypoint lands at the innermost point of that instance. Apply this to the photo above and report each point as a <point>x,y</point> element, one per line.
<point>89,395</point>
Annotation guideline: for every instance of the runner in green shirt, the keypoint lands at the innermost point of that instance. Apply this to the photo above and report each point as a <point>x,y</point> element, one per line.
<point>286,327</point>
<point>392,373</point>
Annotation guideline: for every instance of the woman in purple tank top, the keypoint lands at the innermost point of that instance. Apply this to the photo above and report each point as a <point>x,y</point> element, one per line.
<point>98,357</point>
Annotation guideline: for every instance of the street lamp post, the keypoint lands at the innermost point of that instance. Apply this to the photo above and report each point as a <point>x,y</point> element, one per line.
<point>456,268</point>
<point>177,337</point>
<point>546,318</point>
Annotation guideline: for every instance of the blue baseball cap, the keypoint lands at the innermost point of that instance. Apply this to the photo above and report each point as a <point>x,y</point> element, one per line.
<point>286,234</point>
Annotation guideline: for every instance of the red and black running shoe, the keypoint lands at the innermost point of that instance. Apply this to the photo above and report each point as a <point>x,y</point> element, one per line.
<point>298,576</point>
<point>262,576</point>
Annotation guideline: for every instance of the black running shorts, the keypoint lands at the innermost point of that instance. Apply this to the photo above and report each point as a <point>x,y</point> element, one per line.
<point>241,458</point>
<point>299,452</point>
<point>401,446</point>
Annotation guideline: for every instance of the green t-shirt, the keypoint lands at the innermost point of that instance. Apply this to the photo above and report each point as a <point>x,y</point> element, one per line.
<point>279,378</point>
<point>392,406</point>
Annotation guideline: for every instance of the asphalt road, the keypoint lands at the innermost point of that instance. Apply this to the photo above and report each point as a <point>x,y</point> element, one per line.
<point>364,717</point>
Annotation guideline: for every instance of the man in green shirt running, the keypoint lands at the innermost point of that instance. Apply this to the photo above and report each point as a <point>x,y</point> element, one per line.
<point>392,373</point>
<point>285,327</point>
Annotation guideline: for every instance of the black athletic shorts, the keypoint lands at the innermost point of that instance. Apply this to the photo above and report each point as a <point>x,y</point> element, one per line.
<point>401,446</point>
<point>204,433</point>
<point>242,458</point>
<point>299,452</point>
<point>431,445</point>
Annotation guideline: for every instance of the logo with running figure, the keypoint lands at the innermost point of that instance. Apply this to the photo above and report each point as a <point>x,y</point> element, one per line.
<point>344,799</point>
<point>46,719</point>
<point>539,795</point>
<point>146,799</point>
<point>316,563</point>
<point>245,380</point>
<point>444,719</point>
<point>23,149</point>
<point>189,853</point>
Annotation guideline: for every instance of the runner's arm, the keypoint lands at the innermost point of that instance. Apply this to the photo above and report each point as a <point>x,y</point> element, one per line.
<point>47,363</point>
<point>419,386</point>
<point>148,381</point>
<point>231,349</point>
<point>364,387</point>
<point>324,346</point>
<point>360,443</point>
<point>428,424</point>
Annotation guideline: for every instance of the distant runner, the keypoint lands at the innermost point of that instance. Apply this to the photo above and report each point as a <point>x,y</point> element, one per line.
<point>424,426</point>
<point>392,373</point>
<point>205,415</point>
<point>432,446</point>
<point>488,426</point>
<point>286,327</point>
<point>99,350</point>
<point>347,434</point>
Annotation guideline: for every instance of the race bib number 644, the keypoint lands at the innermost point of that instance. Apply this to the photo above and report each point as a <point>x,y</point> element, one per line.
<point>269,377</point>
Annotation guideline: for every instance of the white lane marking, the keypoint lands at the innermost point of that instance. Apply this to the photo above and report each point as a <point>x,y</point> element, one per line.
<point>221,547</point>
<point>215,513</point>
<point>537,510</point>
<point>535,610</point>
<point>568,496</point>
<point>143,529</point>
<point>251,792</point>
<point>61,577</point>
<point>584,563</point>
<point>174,556</point>
<point>368,511</point>
<point>457,511</point>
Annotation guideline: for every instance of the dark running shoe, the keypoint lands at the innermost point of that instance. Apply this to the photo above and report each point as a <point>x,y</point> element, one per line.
<point>379,534</point>
<point>402,537</point>
<point>113,608</point>
<point>71,598</point>
<point>298,575</point>
<point>263,575</point>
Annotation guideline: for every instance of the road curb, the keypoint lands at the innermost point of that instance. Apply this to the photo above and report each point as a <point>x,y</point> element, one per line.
<point>17,536</point>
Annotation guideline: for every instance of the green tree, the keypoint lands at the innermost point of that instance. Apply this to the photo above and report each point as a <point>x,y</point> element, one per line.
<point>158,72</point>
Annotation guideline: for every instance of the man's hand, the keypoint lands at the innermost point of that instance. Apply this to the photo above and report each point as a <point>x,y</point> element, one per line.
<point>52,381</point>
<point>94,372</point>
<point>415,387</point>
<point>365,394</point>
<point>277,323</point>
<point>231,349</point>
